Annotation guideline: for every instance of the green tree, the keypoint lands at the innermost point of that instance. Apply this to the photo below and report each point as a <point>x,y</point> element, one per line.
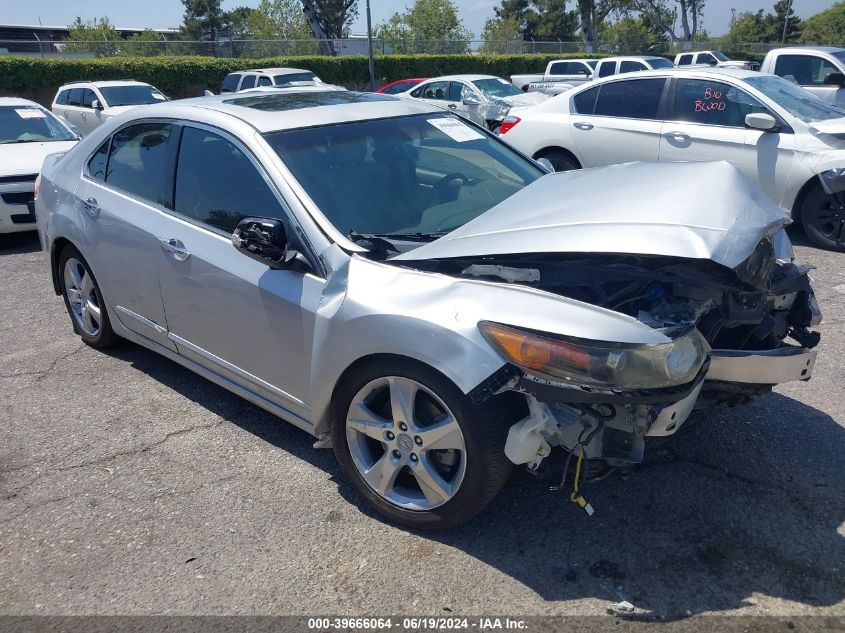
<point>203,20</point>
<point>827,27</point>
<point>236,22</point>
<point>784,25</point>
<point>626,35</point>
<point>97,36</point>
<point>748,27</point>
<point>429,26</point>
<point>539,19</point>
<point>663,15</point>
<point>335,16</point>
<point>498,33</point>
<point>147,43</point>
<point>279,20</point>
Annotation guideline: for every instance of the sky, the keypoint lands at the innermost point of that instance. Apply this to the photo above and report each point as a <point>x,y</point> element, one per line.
<point>168,13</point>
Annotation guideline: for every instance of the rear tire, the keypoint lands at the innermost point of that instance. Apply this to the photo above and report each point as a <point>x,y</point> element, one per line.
<point>83,300</point>
<point>435,471</point>
<point>823,219</point>
<point>560,160</point>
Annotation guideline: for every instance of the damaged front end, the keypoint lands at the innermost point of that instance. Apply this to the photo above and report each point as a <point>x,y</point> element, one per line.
<point>731,334</point>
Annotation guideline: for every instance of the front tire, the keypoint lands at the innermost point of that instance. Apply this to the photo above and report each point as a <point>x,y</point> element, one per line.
<point>415,447</point>
<point>823,219</point>
<point>83,300</point>
<point>560,160</point>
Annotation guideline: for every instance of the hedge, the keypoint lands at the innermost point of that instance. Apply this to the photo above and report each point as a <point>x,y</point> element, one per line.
<point>178,77</point>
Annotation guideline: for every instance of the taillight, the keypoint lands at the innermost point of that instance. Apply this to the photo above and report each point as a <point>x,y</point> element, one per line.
<point>508,123</point>
<point>37,188</point>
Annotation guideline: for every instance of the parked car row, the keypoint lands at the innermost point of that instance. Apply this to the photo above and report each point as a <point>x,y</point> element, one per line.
<point>779,136</point>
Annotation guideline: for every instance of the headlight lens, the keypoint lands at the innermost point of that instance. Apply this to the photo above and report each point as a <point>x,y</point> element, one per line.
<point>599,363</point>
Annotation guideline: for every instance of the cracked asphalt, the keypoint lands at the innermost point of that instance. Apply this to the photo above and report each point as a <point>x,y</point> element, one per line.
<point>130,486</point>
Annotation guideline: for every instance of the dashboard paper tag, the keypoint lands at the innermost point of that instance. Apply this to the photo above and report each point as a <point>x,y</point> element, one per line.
<point>30,113</point>
<point>456,130</point>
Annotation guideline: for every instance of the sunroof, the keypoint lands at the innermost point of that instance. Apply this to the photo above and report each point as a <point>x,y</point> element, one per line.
<point>300,100</point>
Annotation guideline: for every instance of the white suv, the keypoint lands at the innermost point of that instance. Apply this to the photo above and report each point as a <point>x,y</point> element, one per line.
<point>87,105</point>
<point>266,77</point>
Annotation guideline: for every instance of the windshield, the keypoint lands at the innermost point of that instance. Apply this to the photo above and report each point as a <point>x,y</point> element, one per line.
<point>31,124</point>
<point>795,99</point>
<point>496,88</point>
<point>131,95</point>
<point>660,62</point>
<point>418,176</point>
<point>720,56</point>
<point>283,80</point>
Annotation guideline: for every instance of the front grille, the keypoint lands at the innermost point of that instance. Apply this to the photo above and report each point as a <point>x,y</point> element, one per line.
<point>18,197</point>
<point>21,178</point>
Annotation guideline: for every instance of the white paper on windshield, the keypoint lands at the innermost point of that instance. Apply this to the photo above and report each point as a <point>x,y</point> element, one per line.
<point>159,97</point>
<point>30,113</point>
<point>456,130</point>
<point>502,81</point>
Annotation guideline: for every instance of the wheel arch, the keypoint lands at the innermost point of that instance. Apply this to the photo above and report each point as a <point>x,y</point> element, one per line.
<point>805,189</point>
<point>56,249</point>
<point>542,153</point>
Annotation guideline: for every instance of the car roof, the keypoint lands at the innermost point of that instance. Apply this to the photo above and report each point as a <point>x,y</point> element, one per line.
<point>17,101</point>
<point>275,71</point>
<point>290,109</point>
<point>813,49</point>
<point>104,84</point>
<point>695,71</point>
<point>622,58</point>
<point>462,77</point>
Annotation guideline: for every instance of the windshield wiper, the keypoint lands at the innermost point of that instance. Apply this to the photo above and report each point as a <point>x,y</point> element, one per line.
<point>412,237</point>
<point>17,140</point>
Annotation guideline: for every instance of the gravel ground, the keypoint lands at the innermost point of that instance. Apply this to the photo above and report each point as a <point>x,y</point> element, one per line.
<point>128,485</point>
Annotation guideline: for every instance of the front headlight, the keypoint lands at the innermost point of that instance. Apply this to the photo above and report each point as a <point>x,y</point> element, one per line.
<point>600,363</point>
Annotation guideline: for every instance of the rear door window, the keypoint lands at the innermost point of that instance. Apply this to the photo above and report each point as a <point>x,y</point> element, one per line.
<point>685,60</point>
<point>632,99</point>
<point>585,102</point>
<point>137,159</point>
<point>438,90</point>
<point>62,98</point>
<point>88,97</point>
<point>606,69</point>
<point>208,165</point>
<point>98,162</point>
<point>75,97</point>
<point>707,58</point>
<point>230,83</point>
<point>264,81</point>
<point>248,82</point>
<point>631,67</point>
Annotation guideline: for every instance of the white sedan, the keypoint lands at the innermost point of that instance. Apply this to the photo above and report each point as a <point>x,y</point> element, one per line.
<point>483,99</point>
<point>28,133</point>
<point>780,136</point>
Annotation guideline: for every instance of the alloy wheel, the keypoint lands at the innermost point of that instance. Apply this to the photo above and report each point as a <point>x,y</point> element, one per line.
<point>79,287</point>
<point>405,443</point>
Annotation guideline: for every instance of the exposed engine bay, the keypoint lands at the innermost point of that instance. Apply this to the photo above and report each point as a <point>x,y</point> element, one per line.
<point>759,312</point>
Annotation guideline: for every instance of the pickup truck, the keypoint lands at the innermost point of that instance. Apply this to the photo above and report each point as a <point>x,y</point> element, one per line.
<point>818,69</point>
<point>570,71</point>
<point>713,58</point>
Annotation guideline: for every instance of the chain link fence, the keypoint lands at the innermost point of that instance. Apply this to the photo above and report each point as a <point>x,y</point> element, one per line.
<point>352,46</point>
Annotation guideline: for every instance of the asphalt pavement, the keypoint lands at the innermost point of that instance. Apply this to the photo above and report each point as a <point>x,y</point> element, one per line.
<point>129,485</point>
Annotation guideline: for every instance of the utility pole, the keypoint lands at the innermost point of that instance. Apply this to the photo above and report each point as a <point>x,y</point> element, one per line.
<point>370,49</point>
<point>786,22</point>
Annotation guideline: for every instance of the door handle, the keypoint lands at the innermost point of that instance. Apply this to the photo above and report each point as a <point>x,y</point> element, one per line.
<point>583,126</point>
<point>175,248</point>
<point>678,137</point>
<point>92,206</point>
<point>452,106</point>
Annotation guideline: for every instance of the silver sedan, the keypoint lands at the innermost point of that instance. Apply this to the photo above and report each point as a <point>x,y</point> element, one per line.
<point>419,296</point>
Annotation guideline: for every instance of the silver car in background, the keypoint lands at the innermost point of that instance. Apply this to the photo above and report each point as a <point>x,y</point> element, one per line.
<point>417,294</point>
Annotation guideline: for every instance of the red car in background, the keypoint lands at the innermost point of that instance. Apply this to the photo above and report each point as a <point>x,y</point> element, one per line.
<point>400,85</point>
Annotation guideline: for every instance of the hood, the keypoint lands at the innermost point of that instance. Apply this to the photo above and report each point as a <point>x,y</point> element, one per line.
<point>831,126</point>
<point>692,210</point>
<point>27,158</point>
<point>525,99</point>
<point>733,63</point>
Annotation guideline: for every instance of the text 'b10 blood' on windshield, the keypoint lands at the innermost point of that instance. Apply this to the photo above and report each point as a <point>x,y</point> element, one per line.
<point>712,101</point>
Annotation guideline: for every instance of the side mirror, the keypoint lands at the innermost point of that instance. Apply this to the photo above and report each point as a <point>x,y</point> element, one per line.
<point>761,121</point>
<point>835,79</point>
<point>96,104</point>
<point>264,240</point>
<point>472,100</point>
